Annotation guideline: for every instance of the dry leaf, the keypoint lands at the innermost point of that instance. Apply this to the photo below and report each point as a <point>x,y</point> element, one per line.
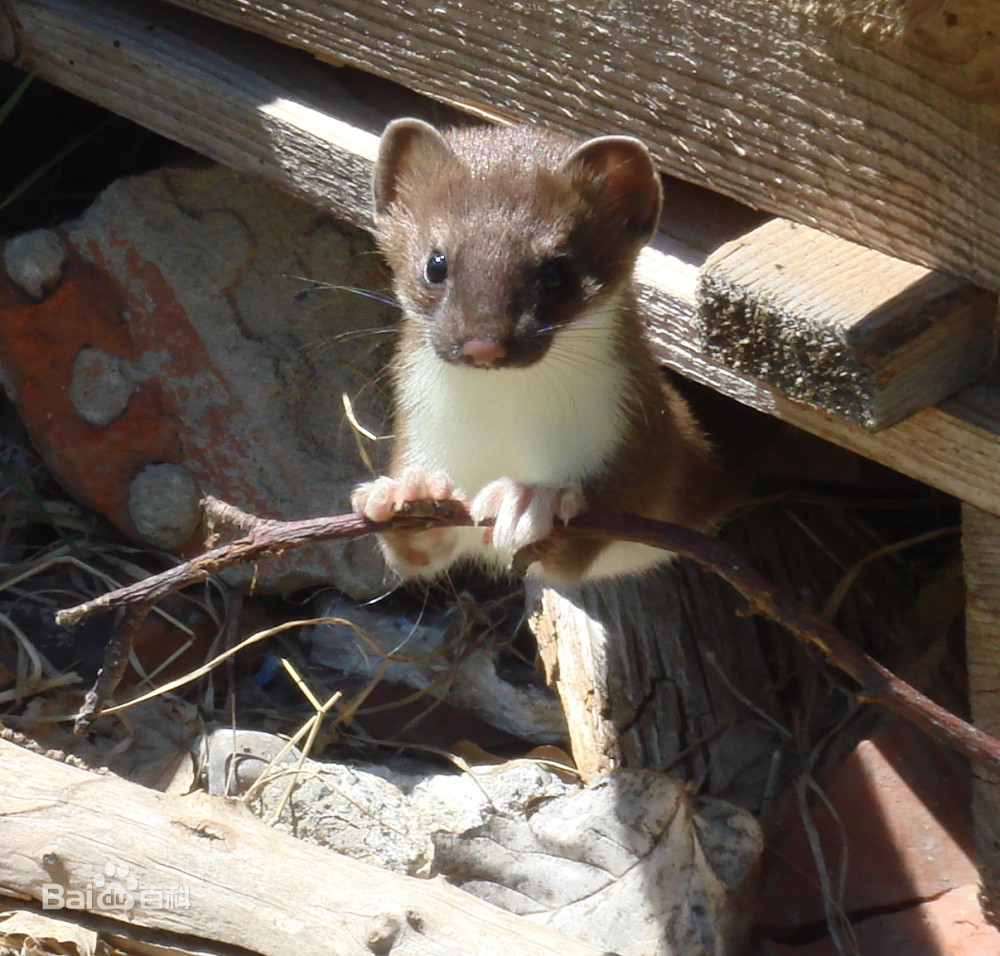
<point>629,864</point>
<point>35,934</point>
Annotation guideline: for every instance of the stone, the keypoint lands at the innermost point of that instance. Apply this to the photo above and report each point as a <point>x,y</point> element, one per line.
<point>896,814</point>
<point>418,651</point>
<point>101,386</point>
<point>34,261</point>
<point>633,863</point>
<point>201,319</point>
<point>163,503</point>
<point>367,811</point>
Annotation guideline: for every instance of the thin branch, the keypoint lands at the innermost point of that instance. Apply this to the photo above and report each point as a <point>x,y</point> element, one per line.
<point>263,537</point>
<point>127,627</point>
<point>878,684</point>
<point>266,537</point>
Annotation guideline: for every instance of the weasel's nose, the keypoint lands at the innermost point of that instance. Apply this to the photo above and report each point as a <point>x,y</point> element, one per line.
<point>484,352</point>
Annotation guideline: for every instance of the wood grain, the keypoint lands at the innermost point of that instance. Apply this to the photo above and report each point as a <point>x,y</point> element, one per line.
<point>273,113</point>
<point>981,563</point>
<point>953,446</point>
<point>636,665</point>
<point>240,100</point>
<point>845,328</point>
<point>865,136</point>
<point>246,885</point>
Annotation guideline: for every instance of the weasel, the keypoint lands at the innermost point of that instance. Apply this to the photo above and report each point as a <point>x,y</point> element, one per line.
<point>522,379</point>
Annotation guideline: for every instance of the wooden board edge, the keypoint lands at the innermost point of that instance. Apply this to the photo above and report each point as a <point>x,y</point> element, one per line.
<point>846,329</point>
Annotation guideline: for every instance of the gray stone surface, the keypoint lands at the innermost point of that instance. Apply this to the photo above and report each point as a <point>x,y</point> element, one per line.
<point>368,811</point>
<point>163,503</point>
<point>34,261</point>
<point>204,320</point>
<point>101,387</point>
<point>420,652</point>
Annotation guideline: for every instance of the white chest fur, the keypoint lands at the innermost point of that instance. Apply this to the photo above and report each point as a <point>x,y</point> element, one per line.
<point>556,422</point>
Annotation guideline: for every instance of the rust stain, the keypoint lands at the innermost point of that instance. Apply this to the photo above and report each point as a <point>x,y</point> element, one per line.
<point>39,342</point>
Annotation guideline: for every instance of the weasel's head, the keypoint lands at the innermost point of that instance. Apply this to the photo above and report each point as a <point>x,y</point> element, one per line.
<point>501,239</point>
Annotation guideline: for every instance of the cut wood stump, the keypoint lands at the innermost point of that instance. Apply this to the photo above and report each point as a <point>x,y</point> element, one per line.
<point>636,664</point>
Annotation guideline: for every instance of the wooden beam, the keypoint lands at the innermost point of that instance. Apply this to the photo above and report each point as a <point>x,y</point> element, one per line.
<point>981,563</point>
<point>237,881</point>
<point>953,446</point>
<point>243,101</point>
<point>886,137</point>
<point>274,113</point>
<point>843,327</point>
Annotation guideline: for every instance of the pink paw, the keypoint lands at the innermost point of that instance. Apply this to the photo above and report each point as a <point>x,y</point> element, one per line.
<point>409,553</point>
<point>524,514</point>
<point>380,499</point>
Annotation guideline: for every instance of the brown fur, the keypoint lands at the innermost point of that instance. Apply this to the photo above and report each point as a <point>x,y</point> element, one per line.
<point>666,467</point>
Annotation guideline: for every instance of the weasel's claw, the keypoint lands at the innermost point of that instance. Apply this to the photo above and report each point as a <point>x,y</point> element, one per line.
<point>380,499</point>
<point>416,553</point>
<point>524,514</point>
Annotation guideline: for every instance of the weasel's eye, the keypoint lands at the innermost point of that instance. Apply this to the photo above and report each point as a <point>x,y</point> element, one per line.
<point>436,268</point>
<point>556,277</point>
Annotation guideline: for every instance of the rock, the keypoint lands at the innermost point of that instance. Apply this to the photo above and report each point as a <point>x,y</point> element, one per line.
<point>897,813</point>
<point>367,811</point>
<point>163,505</point>
<point>101,386</point>
<point>196,318</point>
<point>420,652</point>
<point>34,261</point>
<point>630,864</point>
<point>633,863</point>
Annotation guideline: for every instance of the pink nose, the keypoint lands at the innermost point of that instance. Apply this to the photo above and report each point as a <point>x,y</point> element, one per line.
<point>484,352</point>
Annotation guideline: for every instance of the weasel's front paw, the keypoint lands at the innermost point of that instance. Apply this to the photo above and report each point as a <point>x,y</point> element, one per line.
<point>380,499</point>
<point>524,514</point>
<point>410,553</point>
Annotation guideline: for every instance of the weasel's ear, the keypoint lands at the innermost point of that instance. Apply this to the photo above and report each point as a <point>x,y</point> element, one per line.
<point>408,148</point>
<point>626,179</point>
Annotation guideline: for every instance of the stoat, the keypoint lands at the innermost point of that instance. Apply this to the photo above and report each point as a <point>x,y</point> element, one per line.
<point>522,379</point>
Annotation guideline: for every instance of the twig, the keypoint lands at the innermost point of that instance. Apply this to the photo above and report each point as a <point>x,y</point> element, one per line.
<point>879,685</point>
<point>264,537</point>
<point>129,621</point>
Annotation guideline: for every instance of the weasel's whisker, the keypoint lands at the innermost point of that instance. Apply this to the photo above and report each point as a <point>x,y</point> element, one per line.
<point>358,334</point>
<point>324,345</point>
<point>320,284</point>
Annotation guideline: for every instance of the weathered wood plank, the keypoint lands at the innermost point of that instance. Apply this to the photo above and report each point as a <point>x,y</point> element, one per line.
<point>241,882</point>
<point>272,113</point>
<point>871,135</point>
<point>237,98</point>
<point>953,446</point>
<point>843,327</point>
<point>981,563</point>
